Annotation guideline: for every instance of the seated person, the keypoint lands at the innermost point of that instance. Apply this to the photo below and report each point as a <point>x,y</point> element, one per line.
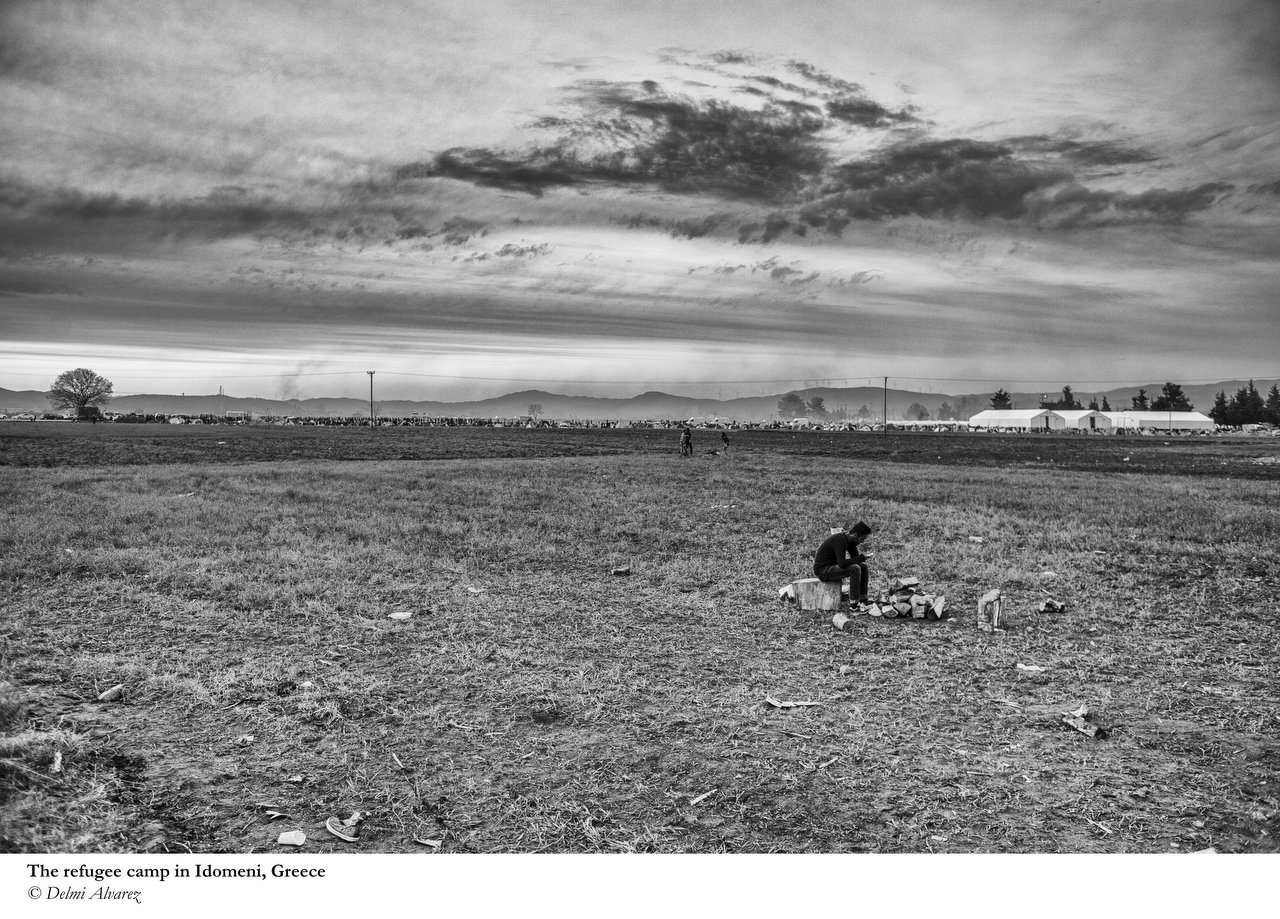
<point>838,558</point>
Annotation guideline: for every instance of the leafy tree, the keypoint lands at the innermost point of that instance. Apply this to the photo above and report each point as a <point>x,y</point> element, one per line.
<point>1273,405</point>
<point>535,409</point>
<point>1001,399</point>
<point>1220,411</point>
<point>1171,399</point>
<point>864,412</point>
<point>1093,404</point>
<point>1106,406</point>
<point>791,406</point>
<point>817,407</point>
<point>79,389</point>
<point>1140,402</point>
<point>946,412</point>
<point>917,412</point>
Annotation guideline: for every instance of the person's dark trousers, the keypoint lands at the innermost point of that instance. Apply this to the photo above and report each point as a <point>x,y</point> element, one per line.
<point>858,575</point>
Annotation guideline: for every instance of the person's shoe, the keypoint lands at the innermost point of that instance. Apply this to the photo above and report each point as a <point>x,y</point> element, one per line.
<point>347,830</point>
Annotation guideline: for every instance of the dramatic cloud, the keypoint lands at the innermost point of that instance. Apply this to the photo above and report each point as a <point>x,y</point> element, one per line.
<point>934,187</point>
<point>782,154</point>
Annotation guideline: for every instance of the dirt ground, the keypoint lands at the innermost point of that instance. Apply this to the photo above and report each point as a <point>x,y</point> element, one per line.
<point>238,583</point>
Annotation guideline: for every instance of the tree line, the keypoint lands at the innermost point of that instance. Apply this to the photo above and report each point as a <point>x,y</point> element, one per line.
<point>83,391</point>
<point>1247,406</point>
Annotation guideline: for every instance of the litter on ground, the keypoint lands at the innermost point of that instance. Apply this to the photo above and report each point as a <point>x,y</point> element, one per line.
<point>780,703</point>
<point>1079,720</point>
<point>347,830</point>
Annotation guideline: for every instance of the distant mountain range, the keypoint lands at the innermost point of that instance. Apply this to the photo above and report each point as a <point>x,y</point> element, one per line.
<point>655,405</point>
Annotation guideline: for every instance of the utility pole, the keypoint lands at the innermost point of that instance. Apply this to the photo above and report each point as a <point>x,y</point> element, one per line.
<point>371,422</point>
<point>886,405</point>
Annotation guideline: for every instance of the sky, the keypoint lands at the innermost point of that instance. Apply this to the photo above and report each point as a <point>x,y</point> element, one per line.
<point>607,198</point>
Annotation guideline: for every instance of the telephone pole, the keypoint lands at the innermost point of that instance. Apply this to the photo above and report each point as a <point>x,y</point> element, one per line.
<point>886,406</point>
<point>371,373</point>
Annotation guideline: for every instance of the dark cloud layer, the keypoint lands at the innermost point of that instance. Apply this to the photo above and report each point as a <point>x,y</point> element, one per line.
<point>1076,205</point>
<point>651,137</point>
<point>780,155</point>
<point>226,210</point>
<point>1084,153</point>
<point>953,178</point>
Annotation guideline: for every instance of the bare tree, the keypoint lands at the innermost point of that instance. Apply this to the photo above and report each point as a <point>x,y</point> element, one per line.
<point>79,389</point>
<point>535,409</point>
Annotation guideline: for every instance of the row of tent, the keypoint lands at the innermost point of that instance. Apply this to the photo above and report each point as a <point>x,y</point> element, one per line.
<point>1052,419</point>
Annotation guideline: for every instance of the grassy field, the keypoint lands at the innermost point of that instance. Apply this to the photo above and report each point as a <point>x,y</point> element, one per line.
<point>238,582</point>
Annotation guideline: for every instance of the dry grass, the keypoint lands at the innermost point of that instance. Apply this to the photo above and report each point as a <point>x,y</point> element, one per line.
<point>244,606</point>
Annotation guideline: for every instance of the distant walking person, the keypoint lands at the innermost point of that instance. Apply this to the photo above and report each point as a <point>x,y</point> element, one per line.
<point>839,557</point>
<point>686,442</point>
<point>724,436</point>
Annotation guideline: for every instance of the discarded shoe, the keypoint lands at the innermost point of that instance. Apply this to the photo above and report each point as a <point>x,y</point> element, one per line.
<point>347,830</point>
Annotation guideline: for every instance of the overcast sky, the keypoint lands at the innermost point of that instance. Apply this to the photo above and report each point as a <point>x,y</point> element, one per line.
<point>476,197</point>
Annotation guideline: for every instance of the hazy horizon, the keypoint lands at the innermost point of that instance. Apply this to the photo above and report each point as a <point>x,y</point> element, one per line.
<point>609,198</point>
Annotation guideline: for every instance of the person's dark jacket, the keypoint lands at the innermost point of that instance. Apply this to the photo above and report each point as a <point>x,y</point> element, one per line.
<point>836,549</point>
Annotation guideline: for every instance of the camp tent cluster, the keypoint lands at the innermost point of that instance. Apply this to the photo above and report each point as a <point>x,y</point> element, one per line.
<point>1046,419</point>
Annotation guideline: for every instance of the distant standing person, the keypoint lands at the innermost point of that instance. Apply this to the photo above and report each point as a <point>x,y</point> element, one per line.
<point>724,436</point>
<point>839,557</point>
<point>686,442</point>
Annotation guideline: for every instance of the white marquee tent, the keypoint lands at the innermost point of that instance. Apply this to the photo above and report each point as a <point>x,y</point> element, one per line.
<point>1083,419</point>
<point>1017,419</point>
<point>1161,421</point>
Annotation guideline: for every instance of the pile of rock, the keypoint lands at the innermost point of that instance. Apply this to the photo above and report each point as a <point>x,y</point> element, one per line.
<point>906,600</point>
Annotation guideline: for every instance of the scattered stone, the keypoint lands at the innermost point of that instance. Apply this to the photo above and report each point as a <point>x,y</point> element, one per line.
<point>113,694</point>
